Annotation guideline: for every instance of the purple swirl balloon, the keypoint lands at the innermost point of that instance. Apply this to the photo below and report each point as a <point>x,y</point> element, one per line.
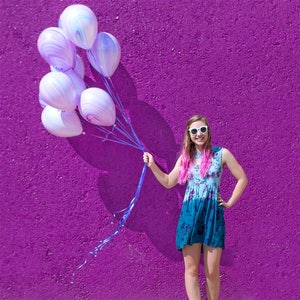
<point>57,90</point>
<point>43,104</point>
<point>105,54</point>
<point>79,66</point>
<point>80,25</point>
<point>56,49</point>
<point>97,107</point>
<point>78,84</point>
<point>61,123</point>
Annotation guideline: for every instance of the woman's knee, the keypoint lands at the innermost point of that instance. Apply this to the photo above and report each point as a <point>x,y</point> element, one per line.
<point>191,256</point>
<point>212,257</point>
<point>192,270</point>
<point>212,273</point>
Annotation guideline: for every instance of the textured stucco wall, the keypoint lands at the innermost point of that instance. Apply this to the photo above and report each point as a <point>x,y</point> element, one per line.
<point>237,63</point>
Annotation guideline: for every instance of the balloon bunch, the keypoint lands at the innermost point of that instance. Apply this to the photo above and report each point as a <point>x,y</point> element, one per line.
<point>65,97</point>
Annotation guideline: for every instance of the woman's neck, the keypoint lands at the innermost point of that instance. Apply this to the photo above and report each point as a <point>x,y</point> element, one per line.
<point>199,149</point>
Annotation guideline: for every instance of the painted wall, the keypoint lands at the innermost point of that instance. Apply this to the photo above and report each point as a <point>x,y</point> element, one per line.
<point>237,63</point>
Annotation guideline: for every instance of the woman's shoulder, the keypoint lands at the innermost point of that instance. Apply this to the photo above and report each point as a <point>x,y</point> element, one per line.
<point>223,153</point>
<point>217,149</point>
<point>220,150</point>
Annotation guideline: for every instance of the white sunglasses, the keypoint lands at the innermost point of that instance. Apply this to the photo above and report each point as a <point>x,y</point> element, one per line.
<point>202,129</point>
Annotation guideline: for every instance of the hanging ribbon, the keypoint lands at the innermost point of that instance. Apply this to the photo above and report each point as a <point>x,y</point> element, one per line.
<point>122,133</point>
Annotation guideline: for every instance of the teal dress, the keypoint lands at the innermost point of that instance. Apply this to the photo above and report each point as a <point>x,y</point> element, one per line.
<point>202,219</point>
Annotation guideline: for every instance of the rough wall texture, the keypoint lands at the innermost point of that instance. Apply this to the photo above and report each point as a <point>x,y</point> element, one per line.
<point>237,63</point>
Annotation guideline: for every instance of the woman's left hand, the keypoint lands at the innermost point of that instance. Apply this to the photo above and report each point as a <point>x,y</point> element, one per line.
<point>222,202</point>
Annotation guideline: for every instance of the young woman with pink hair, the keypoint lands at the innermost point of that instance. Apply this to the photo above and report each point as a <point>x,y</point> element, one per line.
<point>201,224</point>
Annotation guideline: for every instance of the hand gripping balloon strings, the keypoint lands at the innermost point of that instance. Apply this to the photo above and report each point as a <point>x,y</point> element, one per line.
<point>122,133</point>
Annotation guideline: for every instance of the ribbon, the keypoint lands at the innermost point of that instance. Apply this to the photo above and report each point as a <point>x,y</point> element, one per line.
<point>123,133</point>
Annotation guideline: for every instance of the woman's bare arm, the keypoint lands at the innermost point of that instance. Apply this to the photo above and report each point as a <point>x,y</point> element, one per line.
<point>167,180</point>
<point>237,171</point>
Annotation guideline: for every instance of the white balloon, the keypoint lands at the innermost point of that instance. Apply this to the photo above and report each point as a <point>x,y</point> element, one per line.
<point>105,54</point>
<point>79,66</point>
<point>97,107</point>
<point>57,90</point>
<point>57,50</point>
<point>78,83</point>
<point>61,123</point>
<point>43,104</point>
<point>80,24</point>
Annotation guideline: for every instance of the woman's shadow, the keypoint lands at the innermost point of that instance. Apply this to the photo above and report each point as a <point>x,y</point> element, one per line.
<point>157,210</point>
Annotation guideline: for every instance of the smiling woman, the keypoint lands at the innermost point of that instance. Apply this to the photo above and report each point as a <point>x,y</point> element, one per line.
<point>201,223</point>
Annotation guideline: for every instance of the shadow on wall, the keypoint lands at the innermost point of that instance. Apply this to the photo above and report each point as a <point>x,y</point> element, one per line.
<point>157,210</point>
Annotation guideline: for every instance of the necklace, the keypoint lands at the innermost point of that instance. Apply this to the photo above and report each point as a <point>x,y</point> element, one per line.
<point>198,155</point>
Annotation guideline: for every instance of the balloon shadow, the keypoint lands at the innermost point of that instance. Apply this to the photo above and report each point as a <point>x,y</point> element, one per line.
<point>157,210</point>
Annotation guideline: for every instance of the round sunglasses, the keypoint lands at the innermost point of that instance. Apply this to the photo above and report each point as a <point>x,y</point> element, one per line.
<point>202,129</point>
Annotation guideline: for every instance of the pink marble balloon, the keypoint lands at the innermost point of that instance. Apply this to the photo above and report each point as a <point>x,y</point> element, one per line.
<point>57,90</point>
<point>61,123</point>
<point>105,54</point>
<point>80,25</point>
<point>56,49</point>
<point>97,107</point>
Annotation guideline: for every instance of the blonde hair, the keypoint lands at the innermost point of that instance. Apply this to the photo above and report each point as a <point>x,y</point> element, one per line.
<point>189,151</point>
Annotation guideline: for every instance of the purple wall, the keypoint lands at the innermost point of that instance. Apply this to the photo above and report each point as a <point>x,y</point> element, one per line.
<point>237,63</point>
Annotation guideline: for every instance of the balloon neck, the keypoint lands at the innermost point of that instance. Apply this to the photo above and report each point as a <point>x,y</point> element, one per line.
<point>59,69</point>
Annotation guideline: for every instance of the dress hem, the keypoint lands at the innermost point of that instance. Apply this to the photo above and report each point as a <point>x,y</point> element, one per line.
<point>203,244</point>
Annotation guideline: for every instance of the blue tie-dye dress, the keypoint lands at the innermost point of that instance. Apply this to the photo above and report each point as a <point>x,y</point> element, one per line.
<point>202,219</point>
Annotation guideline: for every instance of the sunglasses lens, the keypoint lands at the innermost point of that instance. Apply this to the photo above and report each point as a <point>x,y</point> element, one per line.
<point>194,131</point>
<point>203,129</point>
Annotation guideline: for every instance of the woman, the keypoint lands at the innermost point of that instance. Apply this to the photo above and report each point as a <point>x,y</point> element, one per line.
<point>201,223</point>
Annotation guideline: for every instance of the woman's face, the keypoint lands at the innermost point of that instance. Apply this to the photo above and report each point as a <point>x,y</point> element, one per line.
<point>199,135</point>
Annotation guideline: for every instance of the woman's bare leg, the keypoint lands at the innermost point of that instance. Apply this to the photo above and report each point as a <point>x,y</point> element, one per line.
<point>212,258</point>
<point>191,255</point>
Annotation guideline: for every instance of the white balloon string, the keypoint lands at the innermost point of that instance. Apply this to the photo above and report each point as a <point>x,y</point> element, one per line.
<point>127,212</point>
<point>114,137</point>
<point>128,137</point>
<point>111,135</point>
<point>116,98</point>
<point>115,140</point>
<point>110,86</point>
<point>106,132</point>
<point>123,131</point>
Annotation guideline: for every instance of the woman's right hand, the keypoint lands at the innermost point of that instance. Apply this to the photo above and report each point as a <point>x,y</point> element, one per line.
<point>148,159</point>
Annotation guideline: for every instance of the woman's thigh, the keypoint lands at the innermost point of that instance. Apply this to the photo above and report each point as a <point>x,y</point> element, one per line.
<point>191,255</point>
<point>212,259</point>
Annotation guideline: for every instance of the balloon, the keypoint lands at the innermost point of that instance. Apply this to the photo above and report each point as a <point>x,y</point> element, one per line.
<point>97,107</point>
<point>78,83</point>
<point>56,49</point>
<point>79,66</point>
<point>43,104</point>
<point>80,25</point>
<point>105,54</point>
<point>61,123</point>
<point>57,90</point>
